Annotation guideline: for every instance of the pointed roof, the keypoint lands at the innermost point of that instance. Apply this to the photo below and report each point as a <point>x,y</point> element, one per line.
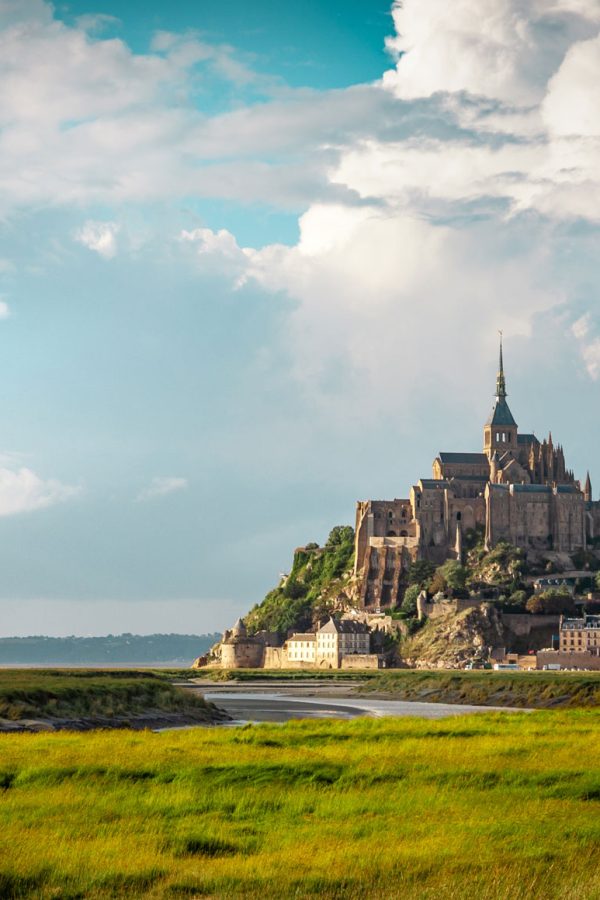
<point>501,414</point>
<point>239,629</point>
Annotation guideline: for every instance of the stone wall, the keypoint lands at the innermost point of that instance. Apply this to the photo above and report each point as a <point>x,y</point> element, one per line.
<point>242,654</point>
<point>436,610</point>
<point>522,624</point>
<point>568,660</point>
<point>362,661</point>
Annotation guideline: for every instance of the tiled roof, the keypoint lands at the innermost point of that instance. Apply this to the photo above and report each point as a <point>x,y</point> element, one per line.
<point>466,458</point>
<point>527,439</point>
<point>481,479</point>
<point>567,489</point>
<point>532,488</point>
<point>346,626</point>
<point>501,414</point>
<point>303,637</point>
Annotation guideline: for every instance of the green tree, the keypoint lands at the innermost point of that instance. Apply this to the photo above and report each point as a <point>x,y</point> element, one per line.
<point>554,601</point>
<point>454,574</point>
<point>341,534</point>
<point>420,573</point>
<point>451,575</point>
<point>409,603</point>
<point>518,598</point>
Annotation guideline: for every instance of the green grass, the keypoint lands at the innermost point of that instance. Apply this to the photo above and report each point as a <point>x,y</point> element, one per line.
<point>81,693</point>
<point>526,689</point>
<point>250,675</point>
<point>493,806</point>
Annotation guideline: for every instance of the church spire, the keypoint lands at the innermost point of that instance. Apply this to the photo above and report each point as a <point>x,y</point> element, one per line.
<point>500,429</point>
<point>500,379</point>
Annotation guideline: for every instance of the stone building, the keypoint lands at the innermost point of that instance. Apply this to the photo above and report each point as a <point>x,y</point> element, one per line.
<point>517,489</point>
<point>302,648</point>
<point>239,650</point>
<point>580,635</point>
<point>337,640</point>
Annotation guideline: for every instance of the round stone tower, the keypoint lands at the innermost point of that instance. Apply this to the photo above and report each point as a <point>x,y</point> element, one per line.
<point>240,651</point>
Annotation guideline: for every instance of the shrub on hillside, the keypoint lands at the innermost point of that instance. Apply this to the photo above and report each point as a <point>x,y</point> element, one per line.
<point>554,601</point>
<point>409,603</point>
<point>451,576</point>
<point>420,573</point>
<point>314,577</point>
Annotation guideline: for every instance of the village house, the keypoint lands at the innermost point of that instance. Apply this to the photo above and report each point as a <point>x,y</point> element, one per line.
<point>580,635</point>
<point>301,648</point>
<point>336,640</point>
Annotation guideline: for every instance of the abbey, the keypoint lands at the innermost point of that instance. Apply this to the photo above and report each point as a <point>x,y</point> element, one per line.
<point>517,489</point>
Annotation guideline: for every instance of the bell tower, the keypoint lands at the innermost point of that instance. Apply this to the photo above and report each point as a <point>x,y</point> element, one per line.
<point>500,430</point>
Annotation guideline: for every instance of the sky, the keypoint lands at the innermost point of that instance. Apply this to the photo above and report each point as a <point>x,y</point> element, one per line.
<point>253,263</point>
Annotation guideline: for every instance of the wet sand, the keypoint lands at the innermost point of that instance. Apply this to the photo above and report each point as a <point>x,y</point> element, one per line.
<point>310,700</point>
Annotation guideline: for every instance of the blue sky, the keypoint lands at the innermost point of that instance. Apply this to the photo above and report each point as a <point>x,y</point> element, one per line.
<point>252,268</point>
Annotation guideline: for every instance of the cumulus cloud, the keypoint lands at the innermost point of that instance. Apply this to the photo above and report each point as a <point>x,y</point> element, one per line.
<point>424,198</point>
<point>378,294</point>
<point>22,490</point>
<point>501,49</point>
<point>206,241</point>
<point>589,342</point>
<point>161,486</point>
<point>571,106</point>
<point>101,237</point>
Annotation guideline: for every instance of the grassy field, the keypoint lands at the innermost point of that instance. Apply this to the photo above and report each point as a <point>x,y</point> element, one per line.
<point>493,806</point>
<point>88,694</point>
<point>526,689</point>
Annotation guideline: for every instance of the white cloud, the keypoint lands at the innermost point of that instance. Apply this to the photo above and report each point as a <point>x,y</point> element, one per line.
<point>571,104</point>
<point>21,490</point>
<point>412,189</point>
<point>583,331</point>
<point>385,302</point>
<point>101,237</point>
<point>206,241</point>
<point>161,486</point>
<point>501,49</point>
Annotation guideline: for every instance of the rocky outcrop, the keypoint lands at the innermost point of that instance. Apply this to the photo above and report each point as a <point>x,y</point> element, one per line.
<point>453,639</point>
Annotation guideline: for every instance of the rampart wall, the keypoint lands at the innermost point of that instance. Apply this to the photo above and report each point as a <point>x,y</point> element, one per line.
<point>362,661</point>
<point>567,660</point>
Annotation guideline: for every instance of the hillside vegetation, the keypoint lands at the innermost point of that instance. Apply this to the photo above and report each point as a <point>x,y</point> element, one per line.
<point>494,806</point>
<point>315,586</point>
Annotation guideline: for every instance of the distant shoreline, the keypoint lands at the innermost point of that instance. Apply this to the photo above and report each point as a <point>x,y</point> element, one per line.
<point>100,664</point>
